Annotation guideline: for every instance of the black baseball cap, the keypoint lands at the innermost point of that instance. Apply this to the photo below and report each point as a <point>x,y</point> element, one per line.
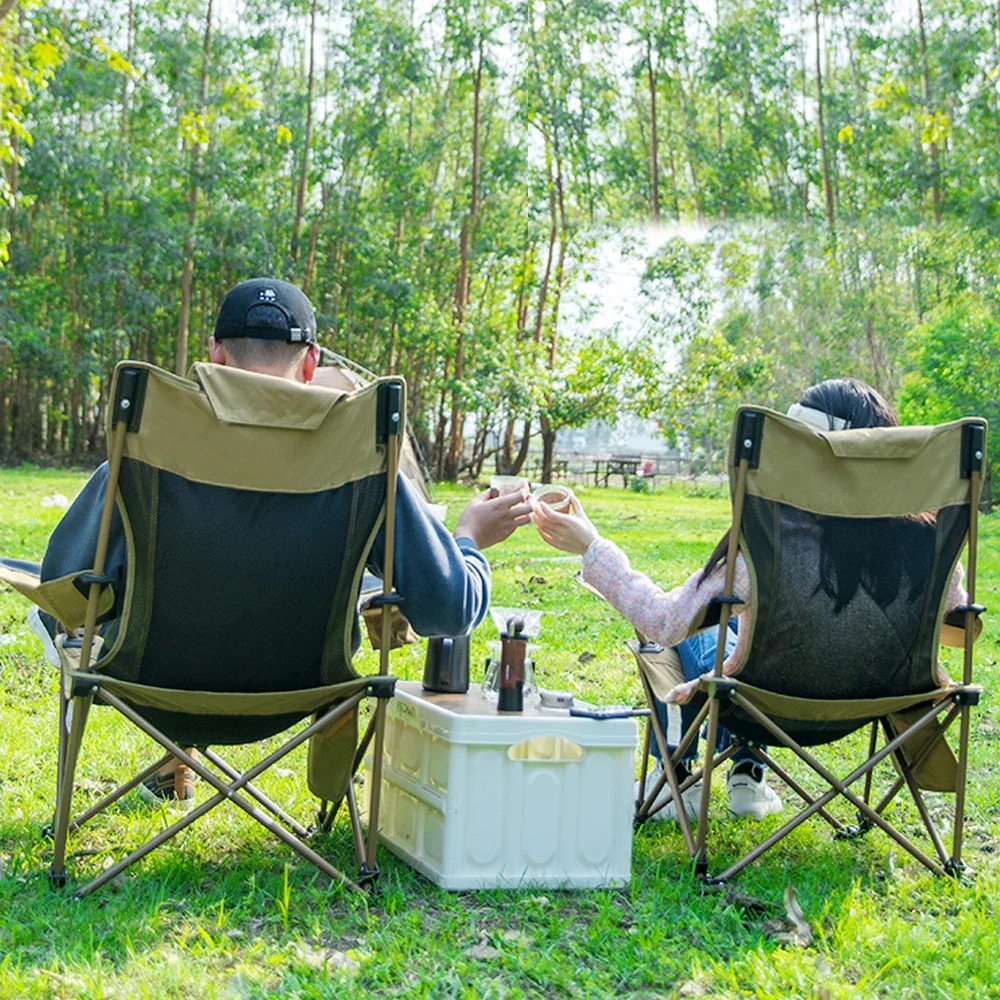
<point>266,309</point>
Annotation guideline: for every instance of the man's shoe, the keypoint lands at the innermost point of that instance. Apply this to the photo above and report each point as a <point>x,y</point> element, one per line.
<point>44,627</point>
<point>749,793</point>
<point>161,790</point>
<point>668,814</point>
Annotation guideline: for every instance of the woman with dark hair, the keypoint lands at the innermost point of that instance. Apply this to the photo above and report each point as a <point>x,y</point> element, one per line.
<point>666,616</point>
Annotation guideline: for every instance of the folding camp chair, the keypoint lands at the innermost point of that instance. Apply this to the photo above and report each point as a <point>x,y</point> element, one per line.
<point>249,504</point>
<point>825,660</point>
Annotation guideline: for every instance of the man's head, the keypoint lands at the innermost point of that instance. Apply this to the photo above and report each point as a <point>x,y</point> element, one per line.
<point>266,326</point>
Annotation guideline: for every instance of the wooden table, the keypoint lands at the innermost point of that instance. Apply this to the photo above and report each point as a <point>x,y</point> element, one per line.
<point>618,465</point>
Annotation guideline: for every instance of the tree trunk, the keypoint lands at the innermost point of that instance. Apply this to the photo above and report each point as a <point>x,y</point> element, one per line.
<point>522,452</point>
<point>925,93</point>
<point>456,440</point>
<point>827,187</point>
<point>187,272</point>
<point>654,167</point>
<point>125,77</point>
<point>300,195</point>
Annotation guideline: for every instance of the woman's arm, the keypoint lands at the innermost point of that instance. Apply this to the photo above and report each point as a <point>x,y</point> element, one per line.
<point>664,616</point>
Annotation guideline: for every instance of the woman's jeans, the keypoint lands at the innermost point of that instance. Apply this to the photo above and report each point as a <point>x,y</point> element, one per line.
<point>697,656</point>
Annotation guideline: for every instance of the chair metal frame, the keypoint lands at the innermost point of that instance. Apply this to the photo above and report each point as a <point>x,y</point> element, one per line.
<point>953,702</point>
<point>81,684</point>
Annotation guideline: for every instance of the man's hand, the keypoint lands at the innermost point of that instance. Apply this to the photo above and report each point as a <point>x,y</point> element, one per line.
<point>488,519</point>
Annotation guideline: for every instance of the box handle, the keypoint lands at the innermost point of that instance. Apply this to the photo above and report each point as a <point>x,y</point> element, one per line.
<point>546,750</point>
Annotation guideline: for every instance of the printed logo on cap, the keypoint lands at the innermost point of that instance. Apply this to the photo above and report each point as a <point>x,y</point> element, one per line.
<point>268,294</point>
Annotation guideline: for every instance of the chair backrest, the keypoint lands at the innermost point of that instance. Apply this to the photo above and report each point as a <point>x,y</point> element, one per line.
<point>250,503</point>
<point>851,538</point>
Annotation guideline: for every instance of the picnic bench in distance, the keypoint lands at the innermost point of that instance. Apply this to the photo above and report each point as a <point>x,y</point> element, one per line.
<point>625,466</point>
<point>560,469</point>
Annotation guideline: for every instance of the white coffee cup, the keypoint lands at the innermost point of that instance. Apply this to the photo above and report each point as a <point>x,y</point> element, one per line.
<point>505,485</point>
<point>559,498</point>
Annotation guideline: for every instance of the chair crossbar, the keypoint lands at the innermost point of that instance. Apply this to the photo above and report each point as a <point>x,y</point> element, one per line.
<point>121,790</point>
<point>767,759</point>
<point>252,790</point>
<point>838,787</point>
<point>225,791</point>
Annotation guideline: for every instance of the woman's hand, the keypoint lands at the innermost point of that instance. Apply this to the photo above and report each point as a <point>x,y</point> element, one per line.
<point>567,532</point>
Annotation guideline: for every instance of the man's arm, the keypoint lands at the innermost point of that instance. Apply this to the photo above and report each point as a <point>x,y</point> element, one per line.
<point>73,544</point>
<point>444,582</point>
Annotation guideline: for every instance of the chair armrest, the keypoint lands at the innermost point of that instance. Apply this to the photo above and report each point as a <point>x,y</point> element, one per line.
<point>953,627</point>
<point>61,598</point>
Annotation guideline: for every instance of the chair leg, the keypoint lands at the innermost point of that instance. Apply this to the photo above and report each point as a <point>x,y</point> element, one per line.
<point>700,854</point>
<point>356,831</point>
<point>49,829</point>
<point>78,708</point>
<point>954,864</point>
<point>370,867</point>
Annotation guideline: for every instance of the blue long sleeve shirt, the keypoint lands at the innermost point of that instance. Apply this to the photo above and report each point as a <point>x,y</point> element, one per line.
<point>444,581</point>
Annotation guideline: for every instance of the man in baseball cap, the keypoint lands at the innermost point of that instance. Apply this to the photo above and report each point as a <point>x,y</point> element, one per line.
<point>268,326</point>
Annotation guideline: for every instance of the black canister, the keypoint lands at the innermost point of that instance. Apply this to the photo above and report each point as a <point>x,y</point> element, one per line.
<point>446,668</point>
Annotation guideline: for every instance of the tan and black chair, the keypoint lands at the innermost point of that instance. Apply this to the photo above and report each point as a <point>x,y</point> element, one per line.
<point>834,647</point>
<point>249,505</point>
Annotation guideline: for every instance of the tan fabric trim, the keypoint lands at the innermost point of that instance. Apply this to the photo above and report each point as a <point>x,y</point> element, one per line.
<point>829,710</point>
<point>663,670</point>
<point>242,397</point>
<point>878,472</point>
<point>331,759</point>
<point>60,598</point>
<point>938,772</point>
<point>236,703</point>
<point>247,431</point>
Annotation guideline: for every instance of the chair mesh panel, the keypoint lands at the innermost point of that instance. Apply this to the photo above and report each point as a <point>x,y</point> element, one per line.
<point>239,590</point>
<point>846,607</point>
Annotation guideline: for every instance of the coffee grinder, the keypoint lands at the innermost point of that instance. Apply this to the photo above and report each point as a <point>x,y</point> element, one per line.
<point>510,683</point>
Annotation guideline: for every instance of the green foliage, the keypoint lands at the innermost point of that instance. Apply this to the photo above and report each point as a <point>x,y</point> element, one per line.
<point>227,911</point>
<point>957,368</point>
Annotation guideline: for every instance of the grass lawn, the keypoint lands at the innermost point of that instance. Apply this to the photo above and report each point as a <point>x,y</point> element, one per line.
<point>227,911</point>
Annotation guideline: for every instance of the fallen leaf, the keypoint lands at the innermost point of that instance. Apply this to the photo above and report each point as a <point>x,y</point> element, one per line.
<point>516,937</point>
<point>749,903</point>
<point>796,915</point>
<point>585,657</point>
<point>537,579</point>
<point>695,987</point>
<point>322,958</point>
<point>628,517</point>
<point>822,964</point>
<point>539,900</point>
<point>283,772</point>
<point>482,951</point>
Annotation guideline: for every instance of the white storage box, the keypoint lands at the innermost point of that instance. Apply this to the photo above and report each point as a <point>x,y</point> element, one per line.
<point>474,798</point>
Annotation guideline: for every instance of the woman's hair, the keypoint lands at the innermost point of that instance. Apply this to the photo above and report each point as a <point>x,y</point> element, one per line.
<point>851,400</point>
<point>844,565</point>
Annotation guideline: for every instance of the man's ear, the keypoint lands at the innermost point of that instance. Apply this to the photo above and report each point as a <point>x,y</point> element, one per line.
<point>310,362</point>
<point>216,352</point>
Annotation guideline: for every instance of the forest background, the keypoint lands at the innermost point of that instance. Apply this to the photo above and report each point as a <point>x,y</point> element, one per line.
<point>811,188</point>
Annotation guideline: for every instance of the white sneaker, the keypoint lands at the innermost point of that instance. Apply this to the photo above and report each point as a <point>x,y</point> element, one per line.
<point>37,626</point>
<point>749,796</point>
<point>668,814</point>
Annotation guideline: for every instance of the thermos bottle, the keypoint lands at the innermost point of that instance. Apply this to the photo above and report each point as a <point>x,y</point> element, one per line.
<point>446,668</point>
